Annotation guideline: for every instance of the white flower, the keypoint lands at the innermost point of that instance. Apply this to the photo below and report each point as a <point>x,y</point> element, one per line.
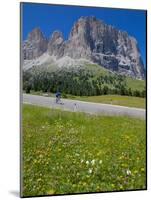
<point>87,162</point>
<point>93,162</point>
<point>100,162</point>
<point>90,171</point>
<point>128,172</point>
<point>82,161</point>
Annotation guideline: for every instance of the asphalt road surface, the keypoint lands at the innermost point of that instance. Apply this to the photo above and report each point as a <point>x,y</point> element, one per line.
<point>86,107</point>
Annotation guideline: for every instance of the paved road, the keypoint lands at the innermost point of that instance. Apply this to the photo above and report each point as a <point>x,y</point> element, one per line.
<point>87,107</point>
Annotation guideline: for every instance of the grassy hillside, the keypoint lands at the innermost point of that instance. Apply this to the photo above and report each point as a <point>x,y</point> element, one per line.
<point>66,152</point>
<point>87,80</point>
<point>135,84</point>
<point>97,70</point>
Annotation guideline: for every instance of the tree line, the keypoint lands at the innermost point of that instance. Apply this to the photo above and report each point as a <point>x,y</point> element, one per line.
<point>79,82</point>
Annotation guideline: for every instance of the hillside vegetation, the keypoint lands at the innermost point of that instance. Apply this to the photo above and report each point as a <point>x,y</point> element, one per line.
<point>88,80</point>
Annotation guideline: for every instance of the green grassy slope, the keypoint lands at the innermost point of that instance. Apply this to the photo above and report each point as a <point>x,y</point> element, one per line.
<point>135,84</point>
<point>128,101</point>
<point>96,69</point>
<point>66,152</point>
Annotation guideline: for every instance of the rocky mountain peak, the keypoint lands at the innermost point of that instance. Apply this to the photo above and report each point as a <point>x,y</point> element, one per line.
<point>35,34</point>
<point>35,45</point>
<point>91,39</point>
<point>84,24</point>
<point>55,45</point>
<point>56,35</point>
<point>111,48</point>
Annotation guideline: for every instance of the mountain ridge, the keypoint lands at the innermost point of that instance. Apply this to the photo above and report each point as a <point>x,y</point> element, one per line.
<point>93,40</point>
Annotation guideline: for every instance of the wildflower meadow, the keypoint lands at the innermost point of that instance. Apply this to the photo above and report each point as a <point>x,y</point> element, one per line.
<point>68,152</point>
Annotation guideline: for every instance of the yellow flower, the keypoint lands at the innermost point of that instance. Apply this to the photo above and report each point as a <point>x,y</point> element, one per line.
<point>142,169</point>
<point>98,188</point>
<point>121,187</point>
<point>51,191</point>
<point>84,183</point>
<point>40,156</point>
<point>99,153</point>
<point>121,157</point>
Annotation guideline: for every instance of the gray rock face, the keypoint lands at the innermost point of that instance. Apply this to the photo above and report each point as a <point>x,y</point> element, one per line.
<point>113,49</point>
<point>35,45</point>
<point>56,44</point>
<point>93,40</point>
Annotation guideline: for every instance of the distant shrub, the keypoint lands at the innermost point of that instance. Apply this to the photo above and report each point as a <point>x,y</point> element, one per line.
<point>64,95</point>
<point>137,93</point>
<point>27,87</point>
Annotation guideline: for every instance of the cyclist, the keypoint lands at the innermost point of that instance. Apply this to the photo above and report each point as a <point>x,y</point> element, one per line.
<point>58,96</point>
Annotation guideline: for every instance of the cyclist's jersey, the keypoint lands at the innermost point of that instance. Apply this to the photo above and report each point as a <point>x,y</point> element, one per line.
<point>58,94</point>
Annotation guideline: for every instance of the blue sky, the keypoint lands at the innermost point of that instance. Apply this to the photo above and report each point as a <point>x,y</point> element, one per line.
<point>52,17</point>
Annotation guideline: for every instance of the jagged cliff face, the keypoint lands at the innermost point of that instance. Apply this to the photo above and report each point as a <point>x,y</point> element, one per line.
<point>56,44</point>
<point>93,40</point>
<point>35,45</point>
